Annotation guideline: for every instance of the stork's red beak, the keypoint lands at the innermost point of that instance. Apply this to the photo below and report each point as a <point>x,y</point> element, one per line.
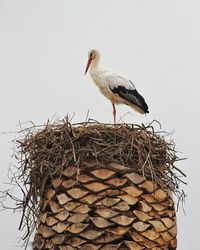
<point>88,64</point>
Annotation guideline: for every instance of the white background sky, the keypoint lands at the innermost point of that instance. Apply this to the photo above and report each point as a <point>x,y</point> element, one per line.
<point>43,52</point>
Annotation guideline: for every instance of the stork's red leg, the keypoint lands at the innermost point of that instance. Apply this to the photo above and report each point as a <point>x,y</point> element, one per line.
<point>114,113</point>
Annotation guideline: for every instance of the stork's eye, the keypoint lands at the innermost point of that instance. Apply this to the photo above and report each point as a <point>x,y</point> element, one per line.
<point>91,54</point>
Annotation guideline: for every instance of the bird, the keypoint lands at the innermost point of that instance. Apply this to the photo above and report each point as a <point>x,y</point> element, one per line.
<point>117,88</point>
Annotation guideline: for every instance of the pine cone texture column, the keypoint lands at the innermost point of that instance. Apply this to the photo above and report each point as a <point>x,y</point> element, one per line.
<point>108,208</point>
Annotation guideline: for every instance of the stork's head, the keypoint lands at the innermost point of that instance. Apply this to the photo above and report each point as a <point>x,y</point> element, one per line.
<point>93,57</point>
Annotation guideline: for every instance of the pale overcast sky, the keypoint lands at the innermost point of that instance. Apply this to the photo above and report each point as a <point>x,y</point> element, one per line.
<point>156,43</point>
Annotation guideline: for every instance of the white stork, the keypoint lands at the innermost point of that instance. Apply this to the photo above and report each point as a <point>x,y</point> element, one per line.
<point>115,87</point>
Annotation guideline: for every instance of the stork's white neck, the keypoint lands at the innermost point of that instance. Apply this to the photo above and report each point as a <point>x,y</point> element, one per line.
<point>95,63</point>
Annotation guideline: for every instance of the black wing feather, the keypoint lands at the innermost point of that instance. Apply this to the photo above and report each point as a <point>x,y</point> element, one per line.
<point>132,96</point>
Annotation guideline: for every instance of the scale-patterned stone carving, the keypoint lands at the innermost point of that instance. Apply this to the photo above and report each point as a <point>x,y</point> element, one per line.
<point>105,208</point>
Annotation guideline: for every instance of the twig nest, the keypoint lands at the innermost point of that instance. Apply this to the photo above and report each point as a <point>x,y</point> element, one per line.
<point>94,185</point>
